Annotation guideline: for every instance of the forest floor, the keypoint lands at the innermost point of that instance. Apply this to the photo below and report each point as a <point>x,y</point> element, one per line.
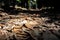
<point>29,26</point>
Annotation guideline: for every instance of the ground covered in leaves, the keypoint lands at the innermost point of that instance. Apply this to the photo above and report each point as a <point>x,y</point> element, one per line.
<point>24,26</point>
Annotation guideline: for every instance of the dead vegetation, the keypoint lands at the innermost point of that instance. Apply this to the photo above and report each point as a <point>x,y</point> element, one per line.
<point>28,27</point>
